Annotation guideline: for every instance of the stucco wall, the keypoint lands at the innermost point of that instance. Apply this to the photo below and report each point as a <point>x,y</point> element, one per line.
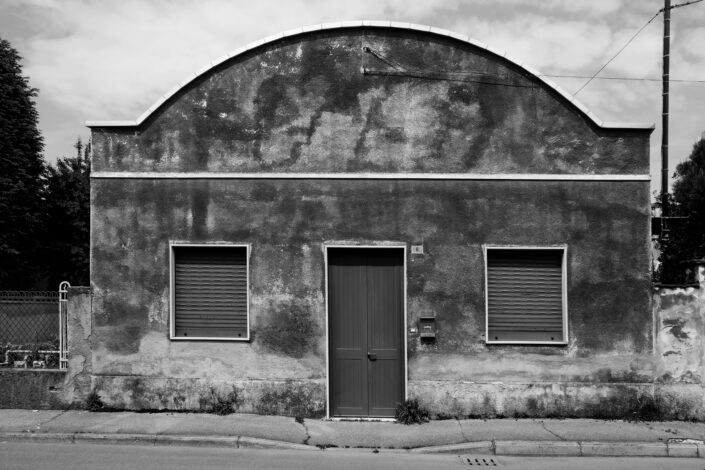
<point>77,383</point>
<point>304,104</point>
<point>679,317</point>
<point>322,102</point>
<point>287,222</point>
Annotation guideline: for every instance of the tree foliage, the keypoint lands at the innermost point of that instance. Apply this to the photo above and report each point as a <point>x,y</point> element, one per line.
<point>67,221</point>
<point>44,210</point>
<point>21,170</point>
<point>687,239</point>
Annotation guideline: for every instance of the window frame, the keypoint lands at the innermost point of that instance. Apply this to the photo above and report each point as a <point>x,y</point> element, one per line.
<point>172,291</point>
<point>564,291</point>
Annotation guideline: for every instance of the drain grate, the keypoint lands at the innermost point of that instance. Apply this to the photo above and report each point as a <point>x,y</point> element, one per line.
<point>480,461</point>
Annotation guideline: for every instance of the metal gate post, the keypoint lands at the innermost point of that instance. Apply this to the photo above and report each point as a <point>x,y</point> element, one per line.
<point>63,311</point>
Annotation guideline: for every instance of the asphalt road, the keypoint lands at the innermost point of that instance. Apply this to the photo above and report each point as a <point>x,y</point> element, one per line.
<point>51,456</point>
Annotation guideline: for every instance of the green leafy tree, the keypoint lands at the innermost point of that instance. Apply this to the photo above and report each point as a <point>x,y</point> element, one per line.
<point>687,239</point>
<point>67,235</point>
<point>21,170</point>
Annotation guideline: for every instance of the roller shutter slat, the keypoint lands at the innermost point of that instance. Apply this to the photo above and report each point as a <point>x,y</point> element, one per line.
<point>210,298</point>
<point>525,295</point>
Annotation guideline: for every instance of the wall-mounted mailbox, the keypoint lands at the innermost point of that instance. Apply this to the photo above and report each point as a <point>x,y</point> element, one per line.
<point>427,327</point>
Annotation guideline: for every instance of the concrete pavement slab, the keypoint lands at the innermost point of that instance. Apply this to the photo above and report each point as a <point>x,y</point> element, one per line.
<point>678,429</point>
<point>101,423</point>
<point>505,430</point>
<point>25,420</point>
<point>618,430</point>
<point>383,434</point>
<point>279,428</point>
<point>195,424</point>
<point>600,430</point>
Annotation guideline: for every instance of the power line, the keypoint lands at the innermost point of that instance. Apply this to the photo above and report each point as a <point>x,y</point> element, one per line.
<point>619,52</point>
<point>629,42</point>
<point>638,79</point>
<point>682,4</point>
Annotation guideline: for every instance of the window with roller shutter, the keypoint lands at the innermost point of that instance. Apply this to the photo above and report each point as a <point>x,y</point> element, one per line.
<point>210,298</point>
<point>526,295</point>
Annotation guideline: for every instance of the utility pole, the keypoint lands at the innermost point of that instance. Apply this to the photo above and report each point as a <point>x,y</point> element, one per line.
<point>664,113</point>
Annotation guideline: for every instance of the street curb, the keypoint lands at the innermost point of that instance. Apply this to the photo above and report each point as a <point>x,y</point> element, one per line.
<point>624,449</point>
<point>570,449</point>
<point>238,442</point>
<point>538,448</point>
<point>478,447</point>
<point>693,449</point>
<point>258,443</point>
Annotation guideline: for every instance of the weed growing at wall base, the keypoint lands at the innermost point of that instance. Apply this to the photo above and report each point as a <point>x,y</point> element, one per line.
<point>93,402</point>
<point>410,412</point>
<point>221,404</point>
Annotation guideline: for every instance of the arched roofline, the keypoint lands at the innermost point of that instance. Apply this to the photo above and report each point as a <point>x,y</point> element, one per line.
<point>592,117</point>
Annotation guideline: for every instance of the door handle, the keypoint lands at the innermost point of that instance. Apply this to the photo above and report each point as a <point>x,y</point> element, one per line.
<point>371,356</point>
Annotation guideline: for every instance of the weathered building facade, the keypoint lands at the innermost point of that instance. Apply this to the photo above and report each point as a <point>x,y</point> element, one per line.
<point>337,218</point>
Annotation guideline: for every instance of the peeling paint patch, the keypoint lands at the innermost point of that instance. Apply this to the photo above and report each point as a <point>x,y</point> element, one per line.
<point>675,327</point>
<point>679,340</point>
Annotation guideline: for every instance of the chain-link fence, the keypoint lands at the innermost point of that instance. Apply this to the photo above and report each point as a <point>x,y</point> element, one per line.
<point>29,317</point>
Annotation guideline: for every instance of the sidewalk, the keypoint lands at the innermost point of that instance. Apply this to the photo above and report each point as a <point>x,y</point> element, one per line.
<point>565,437</point>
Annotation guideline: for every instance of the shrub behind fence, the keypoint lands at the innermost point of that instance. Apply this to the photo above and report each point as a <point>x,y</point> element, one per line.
<point>29,316</point>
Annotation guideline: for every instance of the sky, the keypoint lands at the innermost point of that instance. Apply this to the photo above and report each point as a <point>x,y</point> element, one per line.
<point>111,60</point>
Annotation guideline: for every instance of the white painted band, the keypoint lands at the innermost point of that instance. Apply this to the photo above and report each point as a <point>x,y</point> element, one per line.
<point>367,176</point>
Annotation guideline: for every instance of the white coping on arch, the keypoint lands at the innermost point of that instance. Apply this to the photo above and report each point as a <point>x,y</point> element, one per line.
<point>373,24</point>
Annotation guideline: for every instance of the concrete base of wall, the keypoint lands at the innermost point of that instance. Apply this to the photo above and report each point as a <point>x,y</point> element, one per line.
<point>307,398</point>
<point>31,389</point>
<point>304,398</point>
<point>555,400</point>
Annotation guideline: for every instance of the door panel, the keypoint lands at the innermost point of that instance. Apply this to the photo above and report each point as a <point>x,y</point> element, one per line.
<point>384,317</point>
<point>366,307</point>
<point>347,288</point>
<point>385,389</point>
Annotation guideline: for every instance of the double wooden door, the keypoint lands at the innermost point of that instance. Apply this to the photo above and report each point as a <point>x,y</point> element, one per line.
<point>365,321</point>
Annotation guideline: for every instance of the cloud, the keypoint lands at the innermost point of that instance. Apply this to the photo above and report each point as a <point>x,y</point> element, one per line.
<point>113,59</point>
<point>546,44</point>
